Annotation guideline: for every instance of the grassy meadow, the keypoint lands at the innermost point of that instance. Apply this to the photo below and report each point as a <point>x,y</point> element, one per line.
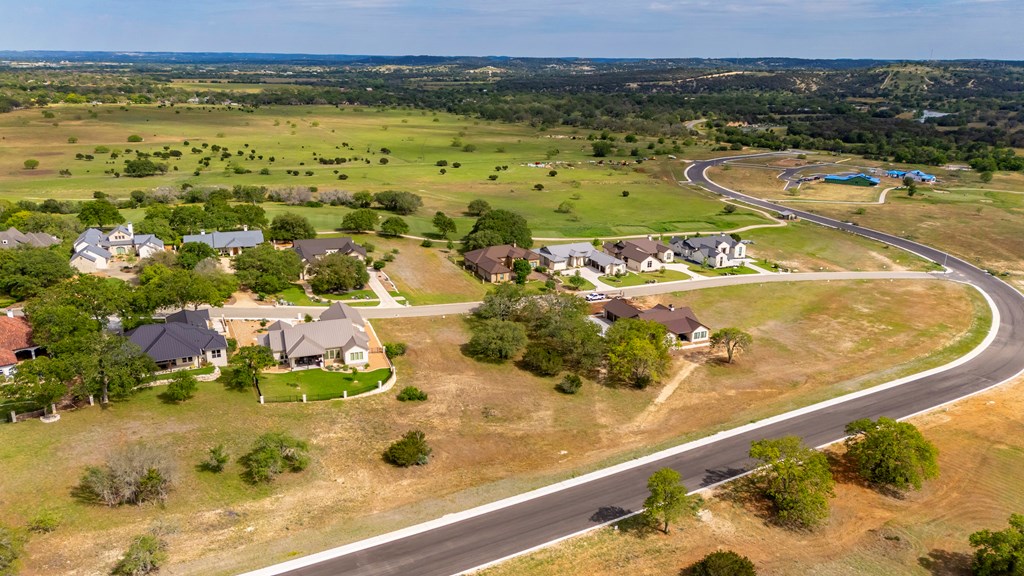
<point>416,141</point>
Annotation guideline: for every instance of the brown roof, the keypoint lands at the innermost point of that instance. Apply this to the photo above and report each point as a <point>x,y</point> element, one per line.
<point>677,320</point>
<point>15,334</point>
<point>638,249</point>
<point>622,308</point>
<point>495,259</point>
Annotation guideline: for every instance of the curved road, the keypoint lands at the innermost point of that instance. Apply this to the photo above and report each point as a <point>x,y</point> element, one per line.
<point>468,540</point>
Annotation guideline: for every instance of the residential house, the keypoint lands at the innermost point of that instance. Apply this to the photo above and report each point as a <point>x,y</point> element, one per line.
<point>852,179</point>
<point>197,318</point>
<point>640,255</point>
<point>312,250</point>
<point>916,175</point>
<point>227,243</point>
<point>338,337</point>
<point>495,264</point>
<point>15,343</point>
<point>180,343</point>
<point>720,251</point>
<point>13,238</point>
<point>94,249</point>
<point>560,257</point>
<point>680,323</point>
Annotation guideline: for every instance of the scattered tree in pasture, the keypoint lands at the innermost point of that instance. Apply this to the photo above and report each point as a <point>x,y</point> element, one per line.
<point>411,394</point>
<point>891,454</point>
<point>505,226</point>
<point>668,501</point>
<point>99,213</point>
<point>289,227</point>
<point>999,553</point>
<point>31,164</point>
<point>731,339</point>
<point>724,563</point>
<point>411,450</point>
<point>272,454</point>
<point>394,226</point>
<point>478,207</point>
<point>796,479</point>
<point>638,352</point>
<point>361,220</point>
<point>496,340</point>
<point>444,224</point>
<point>216,458</point>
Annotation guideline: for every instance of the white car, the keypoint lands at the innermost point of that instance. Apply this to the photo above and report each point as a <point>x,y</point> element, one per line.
<point>595,297</point>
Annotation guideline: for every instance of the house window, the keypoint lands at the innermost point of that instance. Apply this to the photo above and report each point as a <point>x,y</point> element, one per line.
<point>356,356</point>
<point>331,354</point>
<point>700,335</point>
<point>215,353</point>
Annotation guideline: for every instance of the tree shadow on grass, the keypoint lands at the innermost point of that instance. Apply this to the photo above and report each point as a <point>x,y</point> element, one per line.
<point>625,521</point>
<point>844,471</point>
<point>946,563</point>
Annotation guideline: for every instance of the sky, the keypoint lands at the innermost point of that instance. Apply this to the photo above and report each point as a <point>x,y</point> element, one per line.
<point>897,29</point>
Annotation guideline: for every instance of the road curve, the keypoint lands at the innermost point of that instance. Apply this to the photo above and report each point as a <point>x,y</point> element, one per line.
<point>480,537</point>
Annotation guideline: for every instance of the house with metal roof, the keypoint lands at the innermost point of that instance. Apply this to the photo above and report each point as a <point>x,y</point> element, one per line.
<point>93,249</point>
<point>719,251</point>
<point>916,175</point>
<point>559,257</point>
<point>640,255</point>
<point>314,249</point>
<point>495,263</point>
<point>681,323</point>
<point>13,238</point>
<point>852,179</point>
<point>198,318</point>
<point>227,243</point>
<point>338,337</point>
<point>90,258</point>
<point>180,345</point>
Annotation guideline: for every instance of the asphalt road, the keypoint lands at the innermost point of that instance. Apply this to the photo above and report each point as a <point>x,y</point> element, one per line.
<point>482,539</point>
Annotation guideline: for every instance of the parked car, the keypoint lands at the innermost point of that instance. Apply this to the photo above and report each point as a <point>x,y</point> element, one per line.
<point>595,297</point>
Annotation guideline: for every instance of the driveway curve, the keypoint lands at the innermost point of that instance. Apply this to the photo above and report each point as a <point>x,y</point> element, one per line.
<point>462,542</point>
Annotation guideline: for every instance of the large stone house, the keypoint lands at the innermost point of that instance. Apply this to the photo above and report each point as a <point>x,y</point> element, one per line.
<point>640,255</point>
<point>94,249</point>
<point>338,337</point>
<point>181,342</point>
<point>227,243</point>
<point>720,251</point>
<point>561,257</point>
<point>680,323</point>
<point>496,264</point>
<point>312,250</point>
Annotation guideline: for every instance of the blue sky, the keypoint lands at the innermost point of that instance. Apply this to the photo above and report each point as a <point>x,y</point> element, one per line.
<point>917,29</point>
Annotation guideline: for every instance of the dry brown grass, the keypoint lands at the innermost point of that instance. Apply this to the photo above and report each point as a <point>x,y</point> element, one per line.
<point>981,453</point>
<point>496,430</point>
<point>753,181</point>
<point>835,192</point>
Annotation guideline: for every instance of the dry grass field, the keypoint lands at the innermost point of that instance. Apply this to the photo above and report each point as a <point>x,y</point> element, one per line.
<point>981,453</point>
<point>495,430</point>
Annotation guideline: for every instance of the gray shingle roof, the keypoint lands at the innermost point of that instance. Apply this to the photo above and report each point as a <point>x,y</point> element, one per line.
<point>92,253</point>
<point>310,250</point>
<point>313,338</point>
<point>12,238</point>
<point>164,342</point>
<point>197,318</point>
<point>341,311</point>
<point>234,239</point>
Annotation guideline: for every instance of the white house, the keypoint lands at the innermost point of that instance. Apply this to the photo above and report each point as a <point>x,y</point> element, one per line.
<point>338,337</point>
<point>640,255</point>
<point>719,251</point>
<point>561,257</point>
<point>93,249</point>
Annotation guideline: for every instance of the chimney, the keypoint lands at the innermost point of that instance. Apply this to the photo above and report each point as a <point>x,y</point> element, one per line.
<point>245,227</point>
<point>10,313</point>
<point>202,232</point>
<point>131,229</point>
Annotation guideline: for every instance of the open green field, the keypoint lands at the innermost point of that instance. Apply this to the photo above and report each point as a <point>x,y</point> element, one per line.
<point>416,141</point>
<point>488,443</point>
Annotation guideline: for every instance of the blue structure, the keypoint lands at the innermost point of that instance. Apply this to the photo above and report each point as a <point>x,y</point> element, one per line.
<point>852,179</point>
<point>915,174</point>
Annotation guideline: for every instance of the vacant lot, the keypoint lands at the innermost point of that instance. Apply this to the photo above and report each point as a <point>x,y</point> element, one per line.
<point>980,454</point>
<point>495,430</point>
<point>754,181</point>
<point>411,144</point>
<point>821,191</point>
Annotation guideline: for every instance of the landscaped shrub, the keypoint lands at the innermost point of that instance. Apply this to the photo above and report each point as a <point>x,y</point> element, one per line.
<point>182,387</point>
<point>412,394</point>
<point>570,384</point>
<point>144,556</point>
<point>411,450</point>
<point>724,563</point>
<point>44,521</point>
<point>272,454</point>
<point>135,475</point>
<point>395,349</point>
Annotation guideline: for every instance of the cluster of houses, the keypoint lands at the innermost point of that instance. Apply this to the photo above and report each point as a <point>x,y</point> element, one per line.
<point>496,263</point>
<point>915,175</point>
<point>866,180</point>
<point>12,238</point>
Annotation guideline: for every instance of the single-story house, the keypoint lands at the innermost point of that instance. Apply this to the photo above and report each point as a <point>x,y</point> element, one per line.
<point>681,323</point>
<point>314,249</point>
<point>339,337</point>
<point>13,238</point>
<point>178,344</point>
<point>915,174</point>
<point>787,215</point>
<point>561,257</point>
<point>719,251</point>
<point>93,249</point>
<point>640,255</point>
<point>852,179</point>
<point>227,243</point>
<point>15,343</point>
<point>495,264</point>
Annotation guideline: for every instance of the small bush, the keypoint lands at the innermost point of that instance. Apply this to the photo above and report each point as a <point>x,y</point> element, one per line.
<point>411,394</point>
<point>625,193</point>
<point>12,542</point>
<point>135,138</point>
<point>427,243</point>
<point>44,521</point>
<point>411,450</point>
<point>272,454</point>
<point>216,458</point>
<point>144,556</point>
<point>724,563</point>
<point>135,475</point>
<point>395,349</point>
<point>183,386</point>
<point>570,384</point>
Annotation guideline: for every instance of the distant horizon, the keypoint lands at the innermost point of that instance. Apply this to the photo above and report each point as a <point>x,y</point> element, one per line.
<point>910,30</point>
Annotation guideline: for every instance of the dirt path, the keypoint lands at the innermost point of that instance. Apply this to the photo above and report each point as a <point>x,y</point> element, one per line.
<point>684,370</point>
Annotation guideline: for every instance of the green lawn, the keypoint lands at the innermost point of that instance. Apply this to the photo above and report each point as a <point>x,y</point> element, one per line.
<point>195,372</point>
<point>721,271</point>
<point>639,279</point>
<point>586,285</point>
<point>319,384</point>
<point>297,296</point>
